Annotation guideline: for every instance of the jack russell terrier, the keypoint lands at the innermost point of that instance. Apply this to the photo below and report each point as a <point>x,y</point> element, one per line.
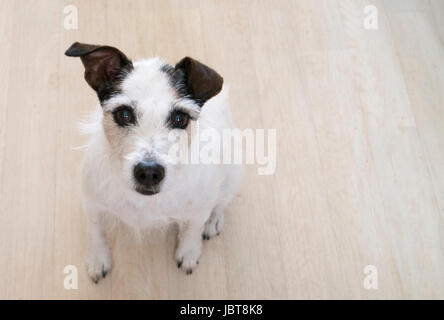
<point>128,171</point>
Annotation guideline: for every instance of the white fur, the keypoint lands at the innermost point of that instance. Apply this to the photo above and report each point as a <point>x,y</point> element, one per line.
<point>194,196</point>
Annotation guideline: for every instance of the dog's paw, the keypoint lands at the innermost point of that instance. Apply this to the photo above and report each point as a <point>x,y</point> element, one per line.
<point>189,259</point>
<point>98,264</point>
<point>213,227</point>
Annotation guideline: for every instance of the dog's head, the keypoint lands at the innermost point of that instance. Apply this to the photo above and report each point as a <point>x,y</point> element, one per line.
<point>142,103</point>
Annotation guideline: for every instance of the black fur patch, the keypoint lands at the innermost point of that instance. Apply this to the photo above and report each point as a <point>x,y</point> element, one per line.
<point>110,88</point>
<point>177,79</point>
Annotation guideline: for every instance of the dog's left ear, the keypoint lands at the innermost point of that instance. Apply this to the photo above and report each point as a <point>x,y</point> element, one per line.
<point>202,82</point>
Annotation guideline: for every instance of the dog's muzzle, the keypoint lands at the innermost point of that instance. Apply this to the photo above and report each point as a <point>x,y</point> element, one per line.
<point>148,175</point>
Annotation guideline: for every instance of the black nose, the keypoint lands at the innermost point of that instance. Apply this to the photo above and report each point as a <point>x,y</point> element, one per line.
<point>149,173</point>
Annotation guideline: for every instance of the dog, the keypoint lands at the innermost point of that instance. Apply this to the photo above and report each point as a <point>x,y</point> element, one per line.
<point>127,169</point>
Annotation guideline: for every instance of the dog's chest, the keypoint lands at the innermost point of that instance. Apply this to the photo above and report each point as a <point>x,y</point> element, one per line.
<point>183,200</point>
<point>156,211</point>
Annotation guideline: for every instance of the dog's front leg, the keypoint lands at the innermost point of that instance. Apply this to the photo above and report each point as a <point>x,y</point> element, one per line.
<point>98,261</point>
<point>189,245</point>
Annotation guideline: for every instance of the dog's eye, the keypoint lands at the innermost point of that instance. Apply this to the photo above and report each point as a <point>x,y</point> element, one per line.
<point>124,116</point>
<point>179,120</point>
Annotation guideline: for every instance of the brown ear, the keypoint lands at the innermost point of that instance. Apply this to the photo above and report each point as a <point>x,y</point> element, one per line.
<point>103,65</point>
<point>202,82</point>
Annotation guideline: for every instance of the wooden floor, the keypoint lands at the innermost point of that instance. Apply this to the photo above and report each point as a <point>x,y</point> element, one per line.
<point>360,148</point>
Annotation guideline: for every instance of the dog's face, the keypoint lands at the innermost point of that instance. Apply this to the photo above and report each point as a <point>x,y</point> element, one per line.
<point>143,103</point>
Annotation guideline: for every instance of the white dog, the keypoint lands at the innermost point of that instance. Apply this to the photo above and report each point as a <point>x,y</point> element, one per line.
<point>128,171</point>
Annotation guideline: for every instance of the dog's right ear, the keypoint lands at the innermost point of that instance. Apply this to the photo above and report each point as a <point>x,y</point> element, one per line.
<point>103,65</point>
